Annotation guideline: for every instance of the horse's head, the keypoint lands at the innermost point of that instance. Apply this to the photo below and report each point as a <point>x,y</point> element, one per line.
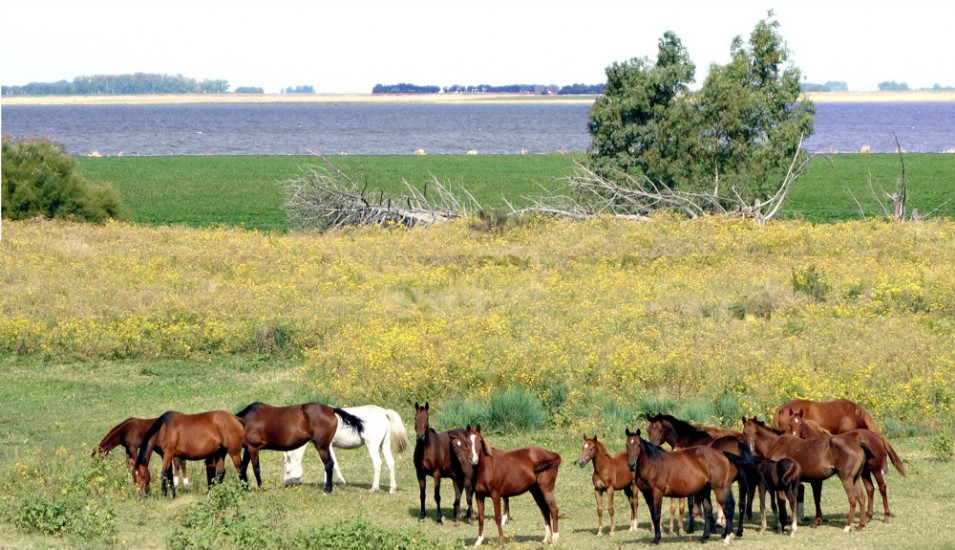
<point>141,479</point>
<point>633,448</point>
<point>588,451</point>
<point>660,431</point>
<point>752,430</point>
<point>421,420</point>
<point>797,423</point>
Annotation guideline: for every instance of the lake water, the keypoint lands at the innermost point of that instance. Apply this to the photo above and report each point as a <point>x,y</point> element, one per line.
<point>401,129</point>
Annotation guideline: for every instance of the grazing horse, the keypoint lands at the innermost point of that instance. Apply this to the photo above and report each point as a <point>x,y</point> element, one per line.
<point>782,478</point>
<point>690,472</point>
<point>129,435</point>
<point>208,436</point>
<point>819,458</point>
<point>288,428</point>
<point>836,416</point>
<point>882,453</point>
<point>679,434</point>
<point>611,473</point>
<point>383,428</point>
<point>433,457</point>
<point>501,474</point>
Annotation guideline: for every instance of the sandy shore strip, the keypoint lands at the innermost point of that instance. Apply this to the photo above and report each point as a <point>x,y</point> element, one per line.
<point>177,99</point>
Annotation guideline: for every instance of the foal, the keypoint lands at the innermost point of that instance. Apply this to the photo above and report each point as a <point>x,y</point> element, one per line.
<point>433,457</point>
<point>782,478</point>
<point>610,473</point>
<point>501,474</point>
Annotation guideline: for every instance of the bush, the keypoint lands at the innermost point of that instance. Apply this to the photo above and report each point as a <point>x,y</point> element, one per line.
<point>40,179</point>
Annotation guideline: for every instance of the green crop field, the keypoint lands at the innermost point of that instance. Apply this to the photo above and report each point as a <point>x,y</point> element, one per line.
<point>245,191</point>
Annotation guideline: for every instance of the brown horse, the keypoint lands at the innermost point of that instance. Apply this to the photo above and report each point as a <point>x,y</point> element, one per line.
<point>679,434</point>
<point>204,436</point>
<point>882,453</point>
<point>820,459</point>
<point>501,474</point>
<point>611,473</point>
<point>288,428</point>
<point>840,415</point>
<point>690,472</point>
<point>782,478</point>
<point>129,435</point>
<point>433,457</point>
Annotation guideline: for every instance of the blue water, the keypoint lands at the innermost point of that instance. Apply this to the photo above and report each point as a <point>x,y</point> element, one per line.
<point>401,129</point>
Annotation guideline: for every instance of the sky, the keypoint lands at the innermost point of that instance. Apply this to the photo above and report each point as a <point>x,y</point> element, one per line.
<point>348,46</point>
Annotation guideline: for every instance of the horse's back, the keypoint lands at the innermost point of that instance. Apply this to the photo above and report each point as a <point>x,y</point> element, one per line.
<point>838,415</point>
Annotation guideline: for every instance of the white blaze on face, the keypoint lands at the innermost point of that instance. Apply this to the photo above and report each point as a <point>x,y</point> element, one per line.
<point>474,453</point>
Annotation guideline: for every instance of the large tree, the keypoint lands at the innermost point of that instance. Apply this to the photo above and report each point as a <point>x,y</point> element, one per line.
<point>737,135</point>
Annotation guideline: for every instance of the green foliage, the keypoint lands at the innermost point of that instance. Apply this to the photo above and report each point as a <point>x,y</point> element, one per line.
<point>759,303</point>
<point>508,410</point>
<point>222,519</point>
<point>739,132</point>
<point>811,281</point>
<point>943,446</point>
<point>360,534</point>
<point>40,179</point>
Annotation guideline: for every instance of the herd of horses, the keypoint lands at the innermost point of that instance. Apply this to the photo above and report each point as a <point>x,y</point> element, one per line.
<point>808,441</point>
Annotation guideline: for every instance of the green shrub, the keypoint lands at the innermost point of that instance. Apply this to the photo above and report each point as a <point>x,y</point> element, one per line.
<point>458,414</point>
<point>514,409</point>
<point>40,179</point>
<point>811,281</point>
<point>360,533</point>
<point>943,446</point>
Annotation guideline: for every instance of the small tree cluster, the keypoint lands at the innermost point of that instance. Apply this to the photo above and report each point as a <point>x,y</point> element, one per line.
<point>736,137</point>
<point>40,179</point>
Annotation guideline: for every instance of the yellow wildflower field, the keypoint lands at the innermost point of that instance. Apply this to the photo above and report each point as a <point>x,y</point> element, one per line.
<point>687,309</point>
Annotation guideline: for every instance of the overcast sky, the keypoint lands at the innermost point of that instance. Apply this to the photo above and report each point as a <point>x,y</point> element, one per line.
<point>351,45</point>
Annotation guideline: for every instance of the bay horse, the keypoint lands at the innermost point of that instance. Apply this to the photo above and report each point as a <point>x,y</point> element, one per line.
<point>876,465</point>
<point>433,457</point>
<point>611,473</point>
<point>288,428</point>
<point>679,434</point>
<point>782,479</point>
<point>820,459</point>
<point>690,472</point>
<point>208,436</point>
<point>383,429</point>
<point>502,474</point>
<point>129,435</point>
<point>840,415</point>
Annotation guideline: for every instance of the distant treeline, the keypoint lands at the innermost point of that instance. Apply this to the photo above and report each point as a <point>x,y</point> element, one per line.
<point>406,88</point>
<point>123,84</point>
<point>831,86</point>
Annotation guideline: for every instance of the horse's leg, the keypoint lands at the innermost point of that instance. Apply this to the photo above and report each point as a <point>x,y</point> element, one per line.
<point>437,495</point>
<point>672,514</point>
<point>880,479</point>
<point>743,496</point>
<point>693,505</point>
<point>613,527</point>
<point>792,495</point>
<point>325,454</point>
<point>655,504</point>
<point>762,509</point>
<point>817,497</point>
<point>480,514</point>
<point>728,506</point>
<point>870,492</point>
<point>706,504</point>
<point>254,458</point>
<point>293,465</point>
<point>376,463</point>
<point>422,481</point>
<point>338,471</point>
<point>496,501</point>
<point>545,508</point>
<point>244,467</point>
<point>220,468</point>
<point>632,500</point>
<point>166,475</point>
<point>507,510</point>
<point>390,462</point>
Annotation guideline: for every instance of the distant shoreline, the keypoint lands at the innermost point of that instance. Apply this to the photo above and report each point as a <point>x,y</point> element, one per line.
<point>178,99</point>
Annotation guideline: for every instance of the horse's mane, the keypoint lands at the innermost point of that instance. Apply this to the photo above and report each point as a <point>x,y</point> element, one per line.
<point>111,439</point>
<point>682,427</point>
<point>146,447</point>
<point>813,425</point>
<point>760,423</point>
<point>651,449</point>
<point>251,407</point>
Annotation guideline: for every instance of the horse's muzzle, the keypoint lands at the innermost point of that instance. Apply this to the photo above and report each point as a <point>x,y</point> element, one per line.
<point>582,462</point>
<point>419,437</point>
<point>632,464</point>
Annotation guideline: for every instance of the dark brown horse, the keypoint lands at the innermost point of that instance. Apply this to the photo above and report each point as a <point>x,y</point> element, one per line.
<point>840,415</point>
<point>611,473</point>
<point>782,479</point>
<point>288,428</point>
<point>129,435</point>
<point>433,457</point>
<point>206,436</point>
<point>820,459</point>
<point>691,472</point>
<point>679,434</point>
<point>876,465</point>
<point>501,474</point>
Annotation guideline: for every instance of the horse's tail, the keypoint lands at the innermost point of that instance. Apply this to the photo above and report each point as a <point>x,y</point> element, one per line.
<point>111,439</point>
<point>792,472</point>
<point>893,456</point>
<point>399,435</point>
<point>745,469</point>
<point>149,439</point>
<point>870,422</point>
<point>351,420</point>
<point>549,462</point>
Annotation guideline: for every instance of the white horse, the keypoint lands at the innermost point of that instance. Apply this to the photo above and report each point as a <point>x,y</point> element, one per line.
<point>379,424</point>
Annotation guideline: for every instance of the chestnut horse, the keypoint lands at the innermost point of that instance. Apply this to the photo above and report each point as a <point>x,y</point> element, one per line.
<point>433,457</point>
<point>840,415</point>
<point>288,428</point>
<point>501,474</point>
<point>782,478</point>
<point>820,459</point>
<point>690,472</point>
<point>679,434</point>
<point>611,473</point>
<point>129,435</point>
<point>206,436</point>
<point>882,453</point>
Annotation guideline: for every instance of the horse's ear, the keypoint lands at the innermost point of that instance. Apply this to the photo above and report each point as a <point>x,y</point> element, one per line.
<point>627,431</point>
<point>416,407</point>
<point>426,405</point>
<point>595,437</point>
<point>477,429</point>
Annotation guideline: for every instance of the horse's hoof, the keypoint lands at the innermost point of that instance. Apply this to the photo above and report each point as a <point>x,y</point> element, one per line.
<point>392,491</point>
<point>479,541</point>
<point>847,529</point>
<point>728,538</point>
